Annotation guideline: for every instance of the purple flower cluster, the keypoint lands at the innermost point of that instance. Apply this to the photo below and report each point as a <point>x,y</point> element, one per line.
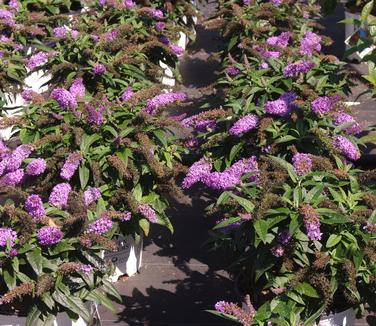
<point>161,100</point>
<point>243,316</point>
<point>111,35</point>
<point>160,26</point>
<point>312,222</point>
<point>199,124</point>
<point>64,98</point>
<point>324,104</point>
<point>12,161</point>
<point>231,176</point>
<point>178,50</point>
<point>95,115</point>
<point>60,32</point>
<point>149,213</point>
<point>341,118</point>
<point>36,167</point>
<point>293,69</point>
<point>99,69</point>
<point>244,125</point>
<point>276,3</point>
<point>197,173</point>
<point>284,237</point>
<point>37,59</point>
<point>91,195</point>
<point>129,4</point>
<point>309,43</point>
<point>156,13</point>
<point>71,165</point>
<point>370,227</point>
<point>13,4</point>
<point>7,235</point>
<point>127,94</point>
<point>302,163</point>
<point>233,71</point>
<point>27,94</point>
<point>86,269</point>
<point>126,217</point>
<point>34,206</point>
<point>59,195</point>
<point>77,89</point>
<point>6,17</point>
<point>100,226</point>
<point>12,178</point>
<point>277,251</point>
<point>282,40</point>
<point>49,235</point>
<point>282,106</point>
<point>346,147</point>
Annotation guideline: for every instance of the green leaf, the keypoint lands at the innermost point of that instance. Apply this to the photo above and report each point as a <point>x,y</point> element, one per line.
<point>315,316</point>
<point>33,316</point>
<point>9,278</point>
<point>144,225</point>
<point>307,289</point>
<point>35,259</point>
<point>333,240</point>
<point>111,289</point>
<point>84,174</point>
<point>97,296</point>
<point>226,222</point>
<point>73,303</point>
<point>261,227</point>
<point>366,12</point>
<point>248,206</point>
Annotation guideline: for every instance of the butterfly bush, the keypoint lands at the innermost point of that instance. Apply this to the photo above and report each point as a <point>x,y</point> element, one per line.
<point>287,221</point>
<point>91,164</point>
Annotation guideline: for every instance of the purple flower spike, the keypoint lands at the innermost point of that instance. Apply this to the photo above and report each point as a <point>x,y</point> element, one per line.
<point>347,148</point>
<point>197,173</point>
<point>7,235</point>
<point>36,167</point>
<point>244,125</point>
<point>302,163</point>
<point>99,69</point>
<point>149,213</point>
<point>91,195</point>
<point>59,195</point>
<point>100,226</point>
<point>64,98</point>
<point>34,206</point>
<point>71,165</point>
<point>49,235</point>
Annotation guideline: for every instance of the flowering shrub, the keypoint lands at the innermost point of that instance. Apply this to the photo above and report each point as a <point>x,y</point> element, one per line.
<point>50,258</point>
<point>97,157</point>
<point>298,217</point>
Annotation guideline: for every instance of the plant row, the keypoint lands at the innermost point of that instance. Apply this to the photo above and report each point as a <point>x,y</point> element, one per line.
<point>298,216</point>
<point>91,155</point>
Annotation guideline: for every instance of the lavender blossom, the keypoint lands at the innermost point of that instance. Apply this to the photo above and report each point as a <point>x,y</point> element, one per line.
<point>100,226</point>
<point>197,172</point>
<point>12,178</point>
<point>126,217</point>
<point>13,4</point>
<point>74,34</point>
<point>264,65</point>
<point>14,160</point>
<point>60,32</point>
<point>312,222</point>
<point>282,106</point>
<point>302,163</point>
<point>178,50</point>
<point>244,125</point>
<point>146,211</point>
<point>281,40</point>
<point>152,105</point>
<point>245,317</point>
<point>277,3</point>
<point>91,195</point>
<point>156,13</point>
<point>231,176</point>
<point>309,43</point>
<point>36,167</point>
<point>34,206</point>
<point>99,69</point>
<point>71,165</point>
<point>59,195</point>
<point>111,35</point>
<point>127,94</point>
<point>49,235</point>
<point>324,104</point>
<point>27,94</point>
<point>293,69</point>
<point>64,98</point>
<point>77,89</point>
<point>341,118</point>
<point>86,269</point>
<point>277,251</point>
<point>233,71</point>
<point>95,115</point>
<point>129,4</point>
<point>37,60</point>
<point>7,236</point>
<point>346,147</point>
<point>160,26</point>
